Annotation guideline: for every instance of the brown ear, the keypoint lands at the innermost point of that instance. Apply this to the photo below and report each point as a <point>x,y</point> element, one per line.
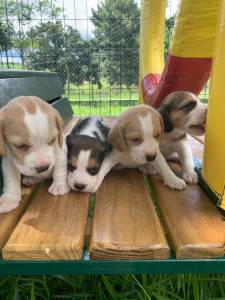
<point>60,126</point>
<point>116,136</point>
<point>2,139</point>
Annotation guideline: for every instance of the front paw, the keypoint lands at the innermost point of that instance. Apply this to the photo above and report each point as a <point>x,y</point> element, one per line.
<point>59,189</point>
<point>147,169</point>
<point>8,202</point>
<point>190,177</point>
<point>175,183</point>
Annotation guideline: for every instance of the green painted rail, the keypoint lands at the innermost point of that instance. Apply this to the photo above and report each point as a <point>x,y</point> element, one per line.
<point>85,266</point>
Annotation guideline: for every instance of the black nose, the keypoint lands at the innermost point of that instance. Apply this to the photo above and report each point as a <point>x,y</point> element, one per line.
<point>42,168</point>
<point>150,157</point>
<point>79,186</point>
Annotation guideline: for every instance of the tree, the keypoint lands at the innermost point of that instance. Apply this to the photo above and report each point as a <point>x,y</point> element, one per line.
<point>116,33</point>
<point>6,31</point>
<point>61,50</point>
<point>167,34</point>
<point>18,14</point>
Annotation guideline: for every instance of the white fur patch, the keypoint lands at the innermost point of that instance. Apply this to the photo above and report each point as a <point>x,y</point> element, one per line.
<point>80,175</point>
<point>37,125</point>
<point>146,125</point>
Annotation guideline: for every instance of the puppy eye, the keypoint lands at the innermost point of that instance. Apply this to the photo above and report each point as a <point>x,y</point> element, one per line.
<point>157,136</point>
<point>23,147</point>
<point>71,168</point>
<point>52,141</point>
<point>136,141</point>
<point>93,171</point>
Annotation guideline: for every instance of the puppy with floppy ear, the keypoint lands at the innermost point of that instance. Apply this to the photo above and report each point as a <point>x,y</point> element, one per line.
<point>32,144</point>
<point>135,139</point>
<point>182,113</point>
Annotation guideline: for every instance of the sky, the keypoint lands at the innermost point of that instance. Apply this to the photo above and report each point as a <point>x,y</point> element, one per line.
<point>78,13</point>
<point>81,11</point>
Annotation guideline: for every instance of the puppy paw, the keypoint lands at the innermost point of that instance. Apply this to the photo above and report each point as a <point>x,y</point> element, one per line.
<point>175,183</point>
<point>190,177</point>
<point>8,203</point>
<point>59,189</point>
<point>148,170</point>
<point>30,180</point>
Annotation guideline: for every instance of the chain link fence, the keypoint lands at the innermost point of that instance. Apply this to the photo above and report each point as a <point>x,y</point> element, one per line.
<point>91,44</point>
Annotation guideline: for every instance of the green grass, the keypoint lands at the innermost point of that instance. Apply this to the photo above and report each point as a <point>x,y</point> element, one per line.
<point>87,99</point>
<point>162,287</point>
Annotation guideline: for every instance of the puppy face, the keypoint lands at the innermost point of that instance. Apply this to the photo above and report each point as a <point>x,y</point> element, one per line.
<point>184,111</point>
<point>31,132</point>
<point>85,156</point>
<point>138,131</point>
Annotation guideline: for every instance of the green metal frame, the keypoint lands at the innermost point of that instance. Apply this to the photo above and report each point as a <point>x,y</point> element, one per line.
<point>86,266</point>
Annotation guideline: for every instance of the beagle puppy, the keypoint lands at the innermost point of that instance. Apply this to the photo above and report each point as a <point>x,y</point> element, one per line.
<point>32,144</point>
<point>135,139</point>
<point>182,112</point>
<point>87,147</point>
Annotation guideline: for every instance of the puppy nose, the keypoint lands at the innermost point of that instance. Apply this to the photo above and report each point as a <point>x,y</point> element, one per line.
<point>150,157</point>
<point>79,186</point>
<point>42,168</point>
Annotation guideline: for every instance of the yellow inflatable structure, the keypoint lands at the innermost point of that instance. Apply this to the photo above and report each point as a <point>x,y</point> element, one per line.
<point>198,42</point>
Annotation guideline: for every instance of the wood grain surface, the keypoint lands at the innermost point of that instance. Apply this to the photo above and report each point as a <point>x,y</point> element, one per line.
<point>52,228</point>
<point>195,226</point>
<point>125,224</point>
<point>9,220</point>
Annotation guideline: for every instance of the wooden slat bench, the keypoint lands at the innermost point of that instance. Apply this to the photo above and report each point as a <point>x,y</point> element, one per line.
<point>133,224</point>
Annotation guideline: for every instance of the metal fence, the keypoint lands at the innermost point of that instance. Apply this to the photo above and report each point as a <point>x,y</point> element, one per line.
<point>91,44</point>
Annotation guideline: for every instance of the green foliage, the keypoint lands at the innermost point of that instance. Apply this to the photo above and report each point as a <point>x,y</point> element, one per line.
<point>135,287</point>
<point>6,32</point>
<point>21,13</point>
<point>167,34</point>
<point>61,49</point>
<point>116,29</point>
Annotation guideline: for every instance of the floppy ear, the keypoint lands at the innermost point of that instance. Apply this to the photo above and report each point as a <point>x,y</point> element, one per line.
<point>68,140</point>
<point>60,126</point>
<point>167,124</point>
<point>116,136</point>
<point>2,139</point>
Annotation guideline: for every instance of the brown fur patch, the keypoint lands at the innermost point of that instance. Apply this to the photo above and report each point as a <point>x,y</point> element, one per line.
<point>13,130</point>
<point>128,127</point>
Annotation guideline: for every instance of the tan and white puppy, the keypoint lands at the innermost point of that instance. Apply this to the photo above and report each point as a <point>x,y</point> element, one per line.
<point>135,139</point>
<point>32,144</point>
<point>182,113</point>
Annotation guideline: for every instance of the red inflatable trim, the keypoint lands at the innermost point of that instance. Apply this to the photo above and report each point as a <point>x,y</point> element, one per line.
<point>180,74</point>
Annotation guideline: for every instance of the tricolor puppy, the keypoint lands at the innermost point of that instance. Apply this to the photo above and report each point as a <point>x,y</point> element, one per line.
<point>135,139</point>
<point>32,144</point>
<point>87,148</point>
<point>182,113</point>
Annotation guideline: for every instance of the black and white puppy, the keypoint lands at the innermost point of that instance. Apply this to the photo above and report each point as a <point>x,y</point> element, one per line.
<point>182,112</point>
<point>87,147</point>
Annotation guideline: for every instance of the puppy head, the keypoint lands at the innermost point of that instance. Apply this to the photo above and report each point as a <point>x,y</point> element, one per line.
<point>138,131</point>
<point>31,131</point>
<point>183,111</point>
<point>85,156</point>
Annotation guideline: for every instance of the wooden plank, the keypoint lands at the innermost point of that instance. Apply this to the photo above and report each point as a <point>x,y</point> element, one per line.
<point>52,228</point>
<point>193,223</point>
<point>125,223</point>
<point>9,220</point>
